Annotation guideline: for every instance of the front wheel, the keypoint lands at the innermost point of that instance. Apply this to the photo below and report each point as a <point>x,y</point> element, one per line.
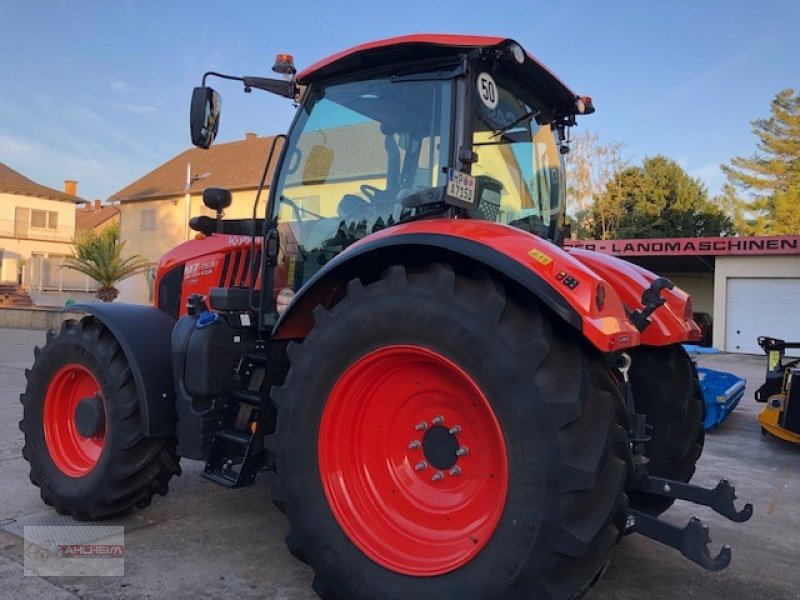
<point>438,439</point>
<point>83,427</point>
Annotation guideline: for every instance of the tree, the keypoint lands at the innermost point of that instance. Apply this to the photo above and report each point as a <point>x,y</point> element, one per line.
<point>590,165</point>
<point>99,256</point>
<point>737,209</point>
<point>772,175</point>
<point>658,199</point>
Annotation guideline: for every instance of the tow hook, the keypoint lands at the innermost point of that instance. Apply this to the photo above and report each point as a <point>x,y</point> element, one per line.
<point>651,300</point>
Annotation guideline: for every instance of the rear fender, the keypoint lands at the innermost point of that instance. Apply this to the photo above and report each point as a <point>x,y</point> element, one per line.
<point>560,282</point>
<point>670,324</point>
<point>144,334</point>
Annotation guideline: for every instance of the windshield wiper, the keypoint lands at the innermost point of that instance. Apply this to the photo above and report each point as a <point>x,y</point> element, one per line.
<point>526,117</point>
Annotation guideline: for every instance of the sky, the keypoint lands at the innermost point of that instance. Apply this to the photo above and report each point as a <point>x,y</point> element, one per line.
<point>99,91</point>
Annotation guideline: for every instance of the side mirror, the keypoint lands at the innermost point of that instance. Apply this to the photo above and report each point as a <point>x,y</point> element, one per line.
<point>217,199</point>
<point>204,116</point>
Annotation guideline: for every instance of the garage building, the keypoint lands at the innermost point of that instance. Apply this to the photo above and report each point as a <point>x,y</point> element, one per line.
<point>750,285</point>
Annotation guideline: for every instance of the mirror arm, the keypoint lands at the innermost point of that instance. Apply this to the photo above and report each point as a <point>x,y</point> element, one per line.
<point>220,75</point>
<point>287,89</point>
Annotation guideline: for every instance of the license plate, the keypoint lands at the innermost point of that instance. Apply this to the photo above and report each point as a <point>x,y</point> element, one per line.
<point>461,188</point>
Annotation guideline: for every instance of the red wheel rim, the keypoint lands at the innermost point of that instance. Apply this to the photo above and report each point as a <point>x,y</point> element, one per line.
<point>74,454</point>
<point>413,518</point>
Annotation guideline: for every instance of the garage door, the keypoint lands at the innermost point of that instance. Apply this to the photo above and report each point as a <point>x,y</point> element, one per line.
<point>755,307</point>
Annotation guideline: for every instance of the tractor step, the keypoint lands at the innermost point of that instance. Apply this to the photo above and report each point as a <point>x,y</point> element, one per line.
<point>251,398</point>
<point>692,541</point>
<point>256,359</point>
<point>237,451</point>
<point>224,478</point>
<point>235,436</point>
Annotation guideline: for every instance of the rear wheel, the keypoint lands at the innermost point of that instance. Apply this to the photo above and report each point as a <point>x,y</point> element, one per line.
<point>438,439</point>
<point>83,429</point>
<point>667,391</point>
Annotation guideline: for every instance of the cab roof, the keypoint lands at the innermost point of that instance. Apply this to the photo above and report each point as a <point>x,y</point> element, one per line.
<point>426,46</point>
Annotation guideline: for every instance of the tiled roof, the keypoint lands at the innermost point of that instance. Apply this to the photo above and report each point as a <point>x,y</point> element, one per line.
<point>89,218</point>
<point>354,151</point>
<point>235,165</point>
<point>12,182</point>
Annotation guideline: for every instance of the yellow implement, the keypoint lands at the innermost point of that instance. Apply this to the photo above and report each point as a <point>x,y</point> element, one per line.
<point>780,392</point>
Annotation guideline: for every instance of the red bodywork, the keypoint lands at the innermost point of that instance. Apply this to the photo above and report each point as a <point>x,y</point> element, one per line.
<point>215,261</point>
<point>607,328</point>
<point>671,323</point>
<point>218,260</point>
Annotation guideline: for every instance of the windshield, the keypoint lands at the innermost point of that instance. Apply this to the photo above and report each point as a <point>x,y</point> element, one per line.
<point>356,150</point>
<point>519,164</point>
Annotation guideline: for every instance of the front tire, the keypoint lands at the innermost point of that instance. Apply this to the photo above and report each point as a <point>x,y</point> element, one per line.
<point>397,377</point>
<point>114,466</point>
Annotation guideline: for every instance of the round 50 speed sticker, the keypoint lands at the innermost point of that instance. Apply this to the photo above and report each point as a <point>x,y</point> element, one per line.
<point>487,90</point>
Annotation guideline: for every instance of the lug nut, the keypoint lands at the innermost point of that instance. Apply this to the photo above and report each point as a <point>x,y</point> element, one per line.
<point>413,444</point>
<point>437,420</point>
<point>438,476</point>
<point>455,471</point>
<point>462,451</point>
<point>421,426</point>
<point>420,466</point>
<point>455,430</point>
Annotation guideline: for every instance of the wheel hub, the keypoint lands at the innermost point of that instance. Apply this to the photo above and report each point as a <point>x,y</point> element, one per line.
<point>439,447</point>
<point>89,416</point>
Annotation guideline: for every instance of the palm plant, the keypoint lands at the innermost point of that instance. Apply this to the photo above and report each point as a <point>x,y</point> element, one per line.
<point>99,256</point>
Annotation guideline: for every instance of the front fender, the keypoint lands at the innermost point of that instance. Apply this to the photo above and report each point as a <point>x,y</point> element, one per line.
<point>144,334</point>
<point>562,283</point>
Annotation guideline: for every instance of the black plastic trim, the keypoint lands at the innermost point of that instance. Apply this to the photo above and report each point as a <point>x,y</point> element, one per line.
<point>144,333</point>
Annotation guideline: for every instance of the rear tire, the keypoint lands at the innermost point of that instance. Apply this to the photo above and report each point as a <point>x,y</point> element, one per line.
<point>561,506</point>
<point>122,468</point>
<point>667,391</point>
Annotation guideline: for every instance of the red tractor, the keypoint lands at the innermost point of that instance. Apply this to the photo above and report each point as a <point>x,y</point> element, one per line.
<point>454,405</point>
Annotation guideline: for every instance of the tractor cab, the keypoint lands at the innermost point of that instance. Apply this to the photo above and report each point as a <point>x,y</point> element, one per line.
<point>414,128</point>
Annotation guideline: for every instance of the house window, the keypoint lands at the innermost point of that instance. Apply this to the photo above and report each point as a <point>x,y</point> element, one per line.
<point>308,203</point>
<point>148,222</point>
<point>44,219</point>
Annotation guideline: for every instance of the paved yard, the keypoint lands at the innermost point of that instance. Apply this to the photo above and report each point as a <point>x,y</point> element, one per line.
<point>206,541</point>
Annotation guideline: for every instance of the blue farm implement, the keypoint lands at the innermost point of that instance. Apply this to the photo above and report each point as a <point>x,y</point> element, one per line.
<point>722,392</point>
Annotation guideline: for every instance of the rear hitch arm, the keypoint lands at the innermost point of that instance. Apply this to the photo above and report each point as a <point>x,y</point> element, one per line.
<point>692,541</point>
<point>720,499</point>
